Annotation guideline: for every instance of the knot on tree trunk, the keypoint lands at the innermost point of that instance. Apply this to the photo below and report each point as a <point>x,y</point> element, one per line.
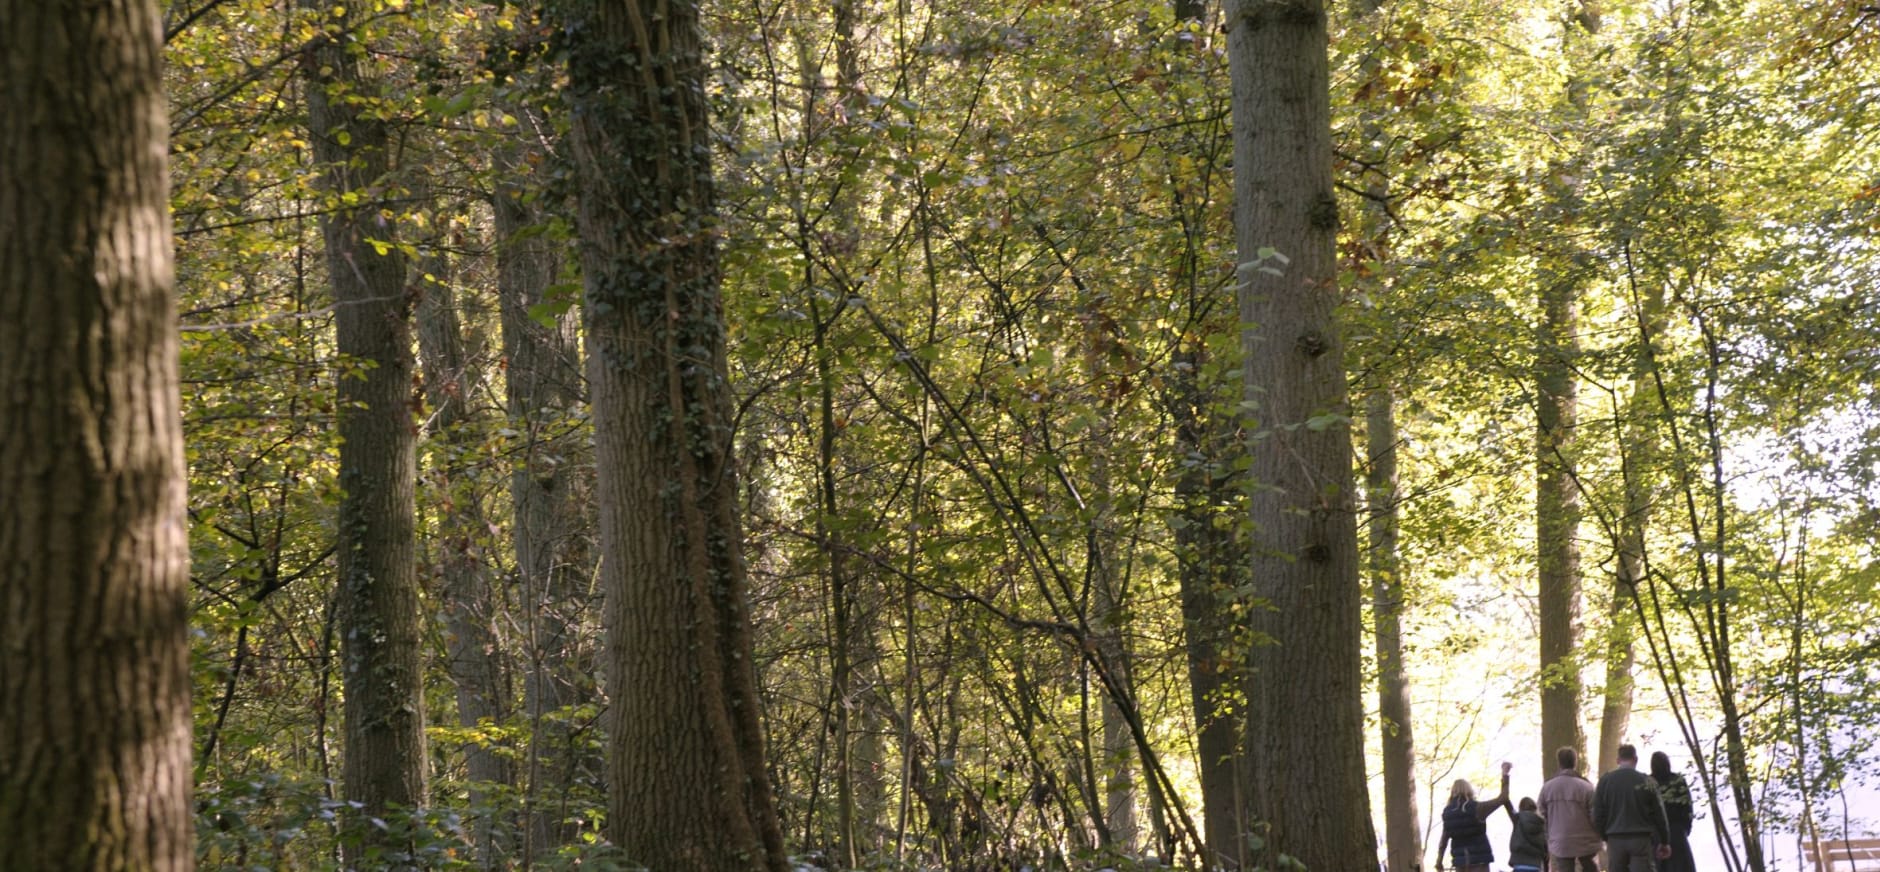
<point>1324,213</point>
<point>1257,14</point>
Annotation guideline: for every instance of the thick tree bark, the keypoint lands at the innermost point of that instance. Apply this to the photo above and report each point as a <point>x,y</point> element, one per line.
<point>377,617</point>
<point>1304,688</point>
<point>475,665</point>
<point>94,562</point>
<point>688,787</point>
<point>551,510</point>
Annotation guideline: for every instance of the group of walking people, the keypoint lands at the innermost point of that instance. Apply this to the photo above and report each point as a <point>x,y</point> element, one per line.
<point>1643,821</point>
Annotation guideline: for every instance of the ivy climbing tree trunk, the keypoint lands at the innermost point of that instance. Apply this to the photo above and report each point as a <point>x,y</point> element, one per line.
<point>94,562</point>
<point>688,787</point>
<point>377,616</point>
<point>1304,687</point>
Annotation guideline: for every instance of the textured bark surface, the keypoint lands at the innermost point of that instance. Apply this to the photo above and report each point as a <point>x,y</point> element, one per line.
<point>1305,712</point>
<point>94,563</point>
<point>377,616</point>
<point>687,784</point>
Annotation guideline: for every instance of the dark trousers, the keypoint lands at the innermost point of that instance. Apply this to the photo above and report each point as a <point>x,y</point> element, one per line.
<point>1681,859</point>
<point>1630,853</point>
<point>1575,864</point>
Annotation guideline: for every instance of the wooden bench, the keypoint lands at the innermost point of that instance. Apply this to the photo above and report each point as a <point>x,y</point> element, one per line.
<point>1847,855</point>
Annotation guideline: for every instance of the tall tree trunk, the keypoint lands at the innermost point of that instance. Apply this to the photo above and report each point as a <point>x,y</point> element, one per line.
<point>841,594</point>
<point>856,713</point>
<point>542,376</point>
<point>94,562</point>
<point>377,616</point>
<point>1615,716</point>
<point>1304,688</point>
<point>1209,567</point>
<point>1557,516</point>
<point>1109,598</point>
<point>688,786</point>
<point>470,637</point>
<point>1556,488</point>
<point>1403,836</point>
<point>1641,447</point>
<point>1210,564</point>
<point>1718,604</point>
<point>1639,434</point>
<point>845,642</point>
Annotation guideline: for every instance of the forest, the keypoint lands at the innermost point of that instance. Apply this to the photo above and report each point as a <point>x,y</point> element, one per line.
<point>710,435</point>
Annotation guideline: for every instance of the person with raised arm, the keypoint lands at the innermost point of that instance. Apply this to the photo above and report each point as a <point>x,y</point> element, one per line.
<point>1465,825</point>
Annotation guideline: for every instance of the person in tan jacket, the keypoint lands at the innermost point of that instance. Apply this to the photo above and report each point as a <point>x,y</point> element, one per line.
<point>1566,801</point>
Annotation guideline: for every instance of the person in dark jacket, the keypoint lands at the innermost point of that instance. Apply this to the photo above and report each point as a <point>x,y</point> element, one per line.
<point>1465,825</point>
<point>1675,793</point>
<point>1527,846</point>
<point>1630,816</point>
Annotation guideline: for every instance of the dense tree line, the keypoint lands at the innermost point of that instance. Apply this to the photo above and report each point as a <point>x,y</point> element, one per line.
<point>654,434</point>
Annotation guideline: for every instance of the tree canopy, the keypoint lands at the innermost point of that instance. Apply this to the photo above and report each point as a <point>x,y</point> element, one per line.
<point>1010,434</point>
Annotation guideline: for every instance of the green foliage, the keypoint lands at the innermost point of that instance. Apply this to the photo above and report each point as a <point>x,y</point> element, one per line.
<point>975,284</point>
<point>274,823</point>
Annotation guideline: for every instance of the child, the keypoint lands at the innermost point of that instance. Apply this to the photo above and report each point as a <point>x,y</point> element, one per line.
<point>1527,847</point>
